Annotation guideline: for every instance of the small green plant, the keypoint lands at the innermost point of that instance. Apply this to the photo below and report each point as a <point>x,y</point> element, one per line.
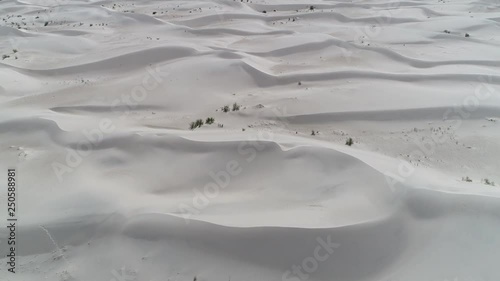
<point>225,108</point>
<point>466,179</point>
<point>236,107</point>
<point>196,124</point>
<point>199,123</point>
<point>209,120</point>
<point>349,142</point>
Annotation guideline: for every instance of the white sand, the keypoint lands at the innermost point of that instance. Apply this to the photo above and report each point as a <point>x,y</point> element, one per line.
<point>95,107</point>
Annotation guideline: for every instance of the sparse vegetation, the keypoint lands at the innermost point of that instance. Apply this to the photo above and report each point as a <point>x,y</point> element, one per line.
<point>467,179</point>
<point>349,142</point>
<point>447,31</point>
<point>312,8</point>
<point>14,50</point>
<point>197,124</point>
<point>209,120</point>
<point>5,57</point>
<point>488,182</point>
<point>236,107</point>
<point>467,35</point>
<point>225,108</point>
<point>313,133</point>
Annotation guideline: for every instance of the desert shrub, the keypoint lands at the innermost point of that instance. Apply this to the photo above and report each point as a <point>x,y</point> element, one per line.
<point>349,142</point>
<point>5,56</point>
<point>209,120</point>
<point>236,107</point>
<point>488,182</point>
<point>199,123</point>
<point>225,108</point>
<point>467,179</point>
<point>196,124</point>
<point>14,50</point>
<point>313,133</point>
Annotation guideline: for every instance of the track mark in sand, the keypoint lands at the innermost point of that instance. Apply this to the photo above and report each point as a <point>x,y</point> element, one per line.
<point>61,252</point>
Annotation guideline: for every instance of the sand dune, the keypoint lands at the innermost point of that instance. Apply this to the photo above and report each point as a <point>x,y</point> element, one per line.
<point>96,101</point>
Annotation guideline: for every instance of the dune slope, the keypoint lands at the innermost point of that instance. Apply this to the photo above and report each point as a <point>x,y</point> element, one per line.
<point>96,101</point>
